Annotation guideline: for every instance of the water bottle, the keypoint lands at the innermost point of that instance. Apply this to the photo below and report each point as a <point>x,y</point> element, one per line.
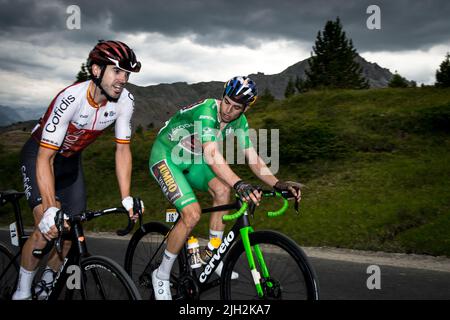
<point>194,252</point>
<point>206,254</point>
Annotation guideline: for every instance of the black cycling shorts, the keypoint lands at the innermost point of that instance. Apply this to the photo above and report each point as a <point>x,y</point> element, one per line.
<point>69,179</point>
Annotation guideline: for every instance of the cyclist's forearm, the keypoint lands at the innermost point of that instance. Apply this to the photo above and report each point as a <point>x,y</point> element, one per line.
<point>218,164</point>
<point>263,173</point>
<point>45,177</point>
<point>123,169</point>
<point>259,168</point>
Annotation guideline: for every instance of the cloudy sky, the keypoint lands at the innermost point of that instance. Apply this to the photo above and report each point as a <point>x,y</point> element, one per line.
<point>204,40</point>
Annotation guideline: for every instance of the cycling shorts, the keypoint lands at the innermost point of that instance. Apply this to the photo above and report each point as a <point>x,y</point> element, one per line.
<point>69,179</point>
<point>177,180</point>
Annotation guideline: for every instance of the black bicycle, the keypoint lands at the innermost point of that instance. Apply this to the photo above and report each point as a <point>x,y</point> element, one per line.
<point>100,278</point>
<point>270,265</point>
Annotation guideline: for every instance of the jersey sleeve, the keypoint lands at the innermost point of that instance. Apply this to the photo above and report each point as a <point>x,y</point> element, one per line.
<point>123,121</point>
<point>242,134</point>
<point>60,113</point>
<point>205,122</point>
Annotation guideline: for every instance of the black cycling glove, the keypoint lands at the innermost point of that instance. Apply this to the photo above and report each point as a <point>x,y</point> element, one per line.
<point>285,185</point>
<point>243,189</point>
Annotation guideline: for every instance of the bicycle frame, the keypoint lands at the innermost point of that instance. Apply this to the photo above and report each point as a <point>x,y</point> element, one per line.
<point>78,249</point>
<point>243,228</point>
<point>240,228</point>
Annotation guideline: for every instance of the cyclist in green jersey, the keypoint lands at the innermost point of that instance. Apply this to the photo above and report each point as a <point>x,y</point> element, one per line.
<point>186,155</point>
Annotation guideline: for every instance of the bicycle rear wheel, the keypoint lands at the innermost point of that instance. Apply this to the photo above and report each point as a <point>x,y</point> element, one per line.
<point>9,272</point>
<point>103,279</point>
<point>291,277</point>
<point>144,254</point>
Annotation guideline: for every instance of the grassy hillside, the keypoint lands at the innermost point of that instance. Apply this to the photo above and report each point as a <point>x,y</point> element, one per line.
<point>376,164</point>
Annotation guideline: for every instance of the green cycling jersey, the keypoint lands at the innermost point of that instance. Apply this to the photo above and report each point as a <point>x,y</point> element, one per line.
<point>183,135</point>
<point>196,124</point>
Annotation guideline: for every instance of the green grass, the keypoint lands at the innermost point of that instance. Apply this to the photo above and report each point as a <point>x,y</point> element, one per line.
<point>376,165</point>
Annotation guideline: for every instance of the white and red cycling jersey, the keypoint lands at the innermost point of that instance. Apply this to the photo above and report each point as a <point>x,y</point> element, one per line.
<point>73,120</point>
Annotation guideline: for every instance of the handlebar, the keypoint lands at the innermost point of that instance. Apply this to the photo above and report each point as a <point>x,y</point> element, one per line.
<point>271,214</point>
<point>85,216</point>
<point>237,214</point>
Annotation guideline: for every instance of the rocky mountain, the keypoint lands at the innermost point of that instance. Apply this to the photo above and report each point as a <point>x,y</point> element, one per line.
<point>155,104</point>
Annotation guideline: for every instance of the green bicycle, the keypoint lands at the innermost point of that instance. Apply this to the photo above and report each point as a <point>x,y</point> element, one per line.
<point>270,264</point>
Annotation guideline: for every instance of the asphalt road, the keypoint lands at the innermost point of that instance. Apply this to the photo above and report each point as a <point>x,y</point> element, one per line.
<point>338,279</point>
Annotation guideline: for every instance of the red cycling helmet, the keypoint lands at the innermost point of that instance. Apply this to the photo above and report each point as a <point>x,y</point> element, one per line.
<point>116,53</point>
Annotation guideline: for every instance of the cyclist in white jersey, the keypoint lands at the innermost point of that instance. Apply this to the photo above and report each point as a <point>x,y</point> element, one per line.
<point>51,158</point>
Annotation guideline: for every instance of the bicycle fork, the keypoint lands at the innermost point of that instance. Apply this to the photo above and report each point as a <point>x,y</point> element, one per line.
<point>245,232</point>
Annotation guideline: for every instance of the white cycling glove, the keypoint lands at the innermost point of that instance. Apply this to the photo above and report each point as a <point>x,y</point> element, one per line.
<point>128,203</point>
<point>48,220</point>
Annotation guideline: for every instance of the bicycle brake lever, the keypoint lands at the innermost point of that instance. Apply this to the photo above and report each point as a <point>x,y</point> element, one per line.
<point>296,205</point>
<point>140,220</point>
<point>140,212</point>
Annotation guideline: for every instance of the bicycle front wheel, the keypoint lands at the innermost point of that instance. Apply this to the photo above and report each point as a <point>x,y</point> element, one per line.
<point>104,279</point>
<point>283,270</point>
<point>9,272</point>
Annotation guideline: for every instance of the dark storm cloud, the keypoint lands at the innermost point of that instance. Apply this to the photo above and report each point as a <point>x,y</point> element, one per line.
<point>405,24</point>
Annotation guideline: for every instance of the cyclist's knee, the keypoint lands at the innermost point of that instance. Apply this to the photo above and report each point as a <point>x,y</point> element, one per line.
<point>38,213</point>
<point>191,215</point>
<point>221,192</point>
<point>218,187</point>
<point>37,237</point>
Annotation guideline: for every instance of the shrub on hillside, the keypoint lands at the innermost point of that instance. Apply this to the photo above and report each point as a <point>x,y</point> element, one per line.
<point>307,143</point>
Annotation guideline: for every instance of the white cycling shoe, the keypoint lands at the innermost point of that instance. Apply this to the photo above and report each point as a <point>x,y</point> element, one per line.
<point>161,288</point>
<point>44,286</point>
<point>218,271</point>
<point>19,295</point>
<point>42,289</point>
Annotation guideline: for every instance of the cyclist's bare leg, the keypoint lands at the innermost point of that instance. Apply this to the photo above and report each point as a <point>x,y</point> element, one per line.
<point>190,216</point>
<point>55,260</point>
<point>35,241</point>
<point>220,192</point>
<point>29,262</point>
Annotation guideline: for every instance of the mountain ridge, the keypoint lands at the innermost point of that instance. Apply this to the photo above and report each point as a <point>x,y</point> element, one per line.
<point>155,104</point>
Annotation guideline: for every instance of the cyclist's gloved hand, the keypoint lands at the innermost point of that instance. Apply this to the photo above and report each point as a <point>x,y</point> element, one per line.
<point>47,223</point>
<point>293,187</point>
<point>247,192</point>
<point>134,206</point>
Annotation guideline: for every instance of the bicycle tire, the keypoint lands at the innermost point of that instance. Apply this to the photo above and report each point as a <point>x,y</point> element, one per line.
<point>142,246</point>
<point>9,273</point>
<point>287,261</point>
<point>102,279</point>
